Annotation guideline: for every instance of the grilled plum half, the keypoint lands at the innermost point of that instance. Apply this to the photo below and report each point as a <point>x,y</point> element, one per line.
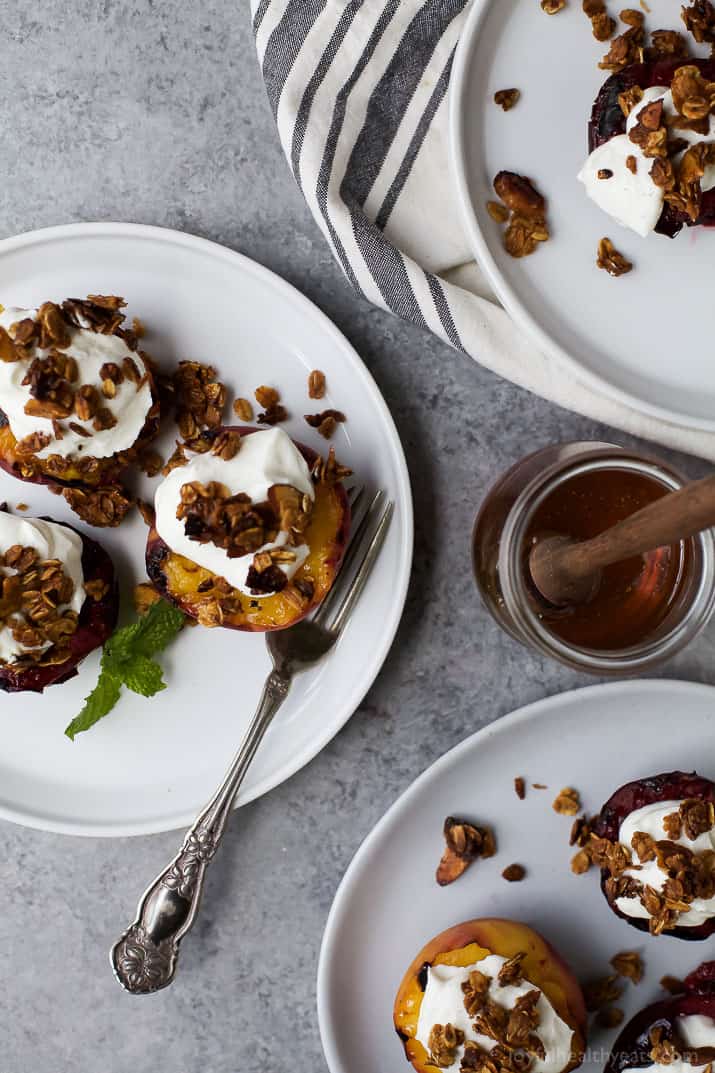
<point>97,620</point>
<point>670,786</point>
<point>633,1046</point>
<point>608,120</point>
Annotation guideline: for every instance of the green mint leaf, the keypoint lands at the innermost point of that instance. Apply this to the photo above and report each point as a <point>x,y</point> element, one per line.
<point>157,628</point>
<point>143,675</point>
<point>98,704</point>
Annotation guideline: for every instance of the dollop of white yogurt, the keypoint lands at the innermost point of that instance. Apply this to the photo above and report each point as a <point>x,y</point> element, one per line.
<point>443,1003</point>
<point>264,458</point>
<point>695,1030</point>
<point>649,819</point>
<point>634,201</point>
<point>50,541</point>
<point>90,350</point>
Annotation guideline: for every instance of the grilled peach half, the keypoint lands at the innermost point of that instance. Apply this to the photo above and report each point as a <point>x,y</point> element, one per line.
<point>465,944</point>
<point>74,472</point>
<point>97,619</point>
<point>189,586</point>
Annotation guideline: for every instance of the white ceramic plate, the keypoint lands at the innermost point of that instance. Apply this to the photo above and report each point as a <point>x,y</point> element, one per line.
<point>150,765</point>
<point>641,338</point>
<point>389,905</point>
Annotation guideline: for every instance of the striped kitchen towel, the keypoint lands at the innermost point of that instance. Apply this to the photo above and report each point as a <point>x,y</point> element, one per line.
<point>358,89</point>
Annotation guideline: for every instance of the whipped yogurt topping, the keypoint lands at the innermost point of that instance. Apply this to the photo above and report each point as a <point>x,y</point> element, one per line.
<point>634,201</point>
<point>90,350</point>
<point>50,541</point>
<point>265,458</point>
<point>649,819</point>
<point>443,1003</point>
<point>695,1030</point>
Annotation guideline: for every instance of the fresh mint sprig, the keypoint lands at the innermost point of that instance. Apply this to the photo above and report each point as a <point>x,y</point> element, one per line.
<point>127,660</point>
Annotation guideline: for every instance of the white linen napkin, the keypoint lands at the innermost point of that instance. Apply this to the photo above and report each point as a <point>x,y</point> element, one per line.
<point>358,89</point>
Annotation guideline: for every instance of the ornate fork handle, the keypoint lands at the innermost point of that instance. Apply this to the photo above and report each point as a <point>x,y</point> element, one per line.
<point>145,958</point>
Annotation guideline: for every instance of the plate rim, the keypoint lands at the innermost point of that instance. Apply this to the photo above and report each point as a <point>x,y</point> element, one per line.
<point>503,724</point>
<point>507,297</point>
<point>40,821</point>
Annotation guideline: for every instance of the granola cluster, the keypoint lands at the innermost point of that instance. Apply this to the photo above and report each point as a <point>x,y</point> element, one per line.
<point>611,260</point>
<point>686,875</point>
<point>199,398</point>
<point>34,594</point>
<point>52,376</point>
<point>523,209</point>
<point>514,1031</point>
<point>465,843</point>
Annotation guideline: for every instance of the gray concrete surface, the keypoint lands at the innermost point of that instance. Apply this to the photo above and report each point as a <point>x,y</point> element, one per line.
<point>153,111</point>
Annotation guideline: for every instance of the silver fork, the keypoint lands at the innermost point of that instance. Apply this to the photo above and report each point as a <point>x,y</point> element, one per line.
<point>144,960</point>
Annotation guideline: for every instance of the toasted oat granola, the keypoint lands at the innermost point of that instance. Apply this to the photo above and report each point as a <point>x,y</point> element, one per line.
<point>444,1041</point>
<point>199,398</point>
<point>526,222</point>
<point>514,873</point>
<point>568,802</point>
<point>316,384</point>
<point>34,595</point>
<point>629,964</point>
<point>610,260</point>
<point>105,507</point>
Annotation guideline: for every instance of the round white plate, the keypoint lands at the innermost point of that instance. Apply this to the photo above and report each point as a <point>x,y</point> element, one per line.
<point>150,765</point>
<point>641,338</point>
<point>389,905</point>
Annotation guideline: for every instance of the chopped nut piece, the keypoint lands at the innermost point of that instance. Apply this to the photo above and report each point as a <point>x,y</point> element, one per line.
<point>629,98</point>
<point>519,194</point>
<point>465,843</point>
<point>514,873</point>
<point>663,1049</point>
<point>243,410</point>
<point>199,398</point>
<point>273,416</point>
<point>520,787</point>
<point>610,1017</point>
<point>632,164</point>
<point>603,26</point>
<point>643,846</point>
<point>510,972</point>
<point>666,45</point>
<point>552,7</point>
<point>699,19</point>
<point>227,444</point>
<point>103,507</point>
<point>506,98</point>
<point>497,211</point>
<point>605,173</point>
<point>698,817</point>
<point>267,397</point>
<point>611,260</point>
<point>316,384</point>
<point>628,964</point>
<point>625,49</point>
<point>581,862</point>
<point>601,992</point>
<point>475,990</point>
<point>568,802</point>
<point>444,1040</point>
<point>103,419</point>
